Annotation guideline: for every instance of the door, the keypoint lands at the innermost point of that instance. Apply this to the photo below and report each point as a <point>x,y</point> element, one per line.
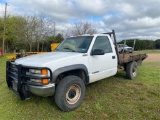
<point>102,66</point>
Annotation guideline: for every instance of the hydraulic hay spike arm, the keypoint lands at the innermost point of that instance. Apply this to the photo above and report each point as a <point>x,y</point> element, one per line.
<point>115,42</point>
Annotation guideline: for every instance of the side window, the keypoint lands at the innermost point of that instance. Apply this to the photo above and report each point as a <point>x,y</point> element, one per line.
<point>103,43</point>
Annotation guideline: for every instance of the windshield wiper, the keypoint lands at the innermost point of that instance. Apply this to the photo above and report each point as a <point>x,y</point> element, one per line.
<point>69,49</point>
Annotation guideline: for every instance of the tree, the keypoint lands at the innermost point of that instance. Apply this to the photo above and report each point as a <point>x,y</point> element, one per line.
<point>157,44</point>
<point>52,39</point>
<point>45,27</point>
<point>26,32</point>
<point>150,44</point>
<point>30,30</point>
<point>14,34</point>
<point>59,38</point>
<point>140,44</point>
<point>82,27</point>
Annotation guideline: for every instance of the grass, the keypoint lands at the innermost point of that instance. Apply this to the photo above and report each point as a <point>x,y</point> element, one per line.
<point>112,98</point>
<point>148,52</point>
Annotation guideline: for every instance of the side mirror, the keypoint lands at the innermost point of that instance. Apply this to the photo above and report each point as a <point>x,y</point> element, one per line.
<point>97,52</point>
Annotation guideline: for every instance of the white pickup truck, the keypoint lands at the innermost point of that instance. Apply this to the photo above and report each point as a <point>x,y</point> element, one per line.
<point>124,48</point>
<point>64,73</point>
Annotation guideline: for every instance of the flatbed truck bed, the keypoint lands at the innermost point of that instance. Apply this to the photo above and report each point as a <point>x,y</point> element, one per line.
<point>126,58</point>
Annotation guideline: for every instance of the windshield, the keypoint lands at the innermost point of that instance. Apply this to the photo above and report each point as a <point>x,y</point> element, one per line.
<point>75,44</point>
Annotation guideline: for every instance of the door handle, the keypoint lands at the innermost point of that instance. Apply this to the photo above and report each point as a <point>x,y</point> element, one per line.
<point>113,57</point>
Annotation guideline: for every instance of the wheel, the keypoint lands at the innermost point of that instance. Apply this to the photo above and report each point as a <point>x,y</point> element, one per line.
<point>132,70</point>
<point>70,93</point>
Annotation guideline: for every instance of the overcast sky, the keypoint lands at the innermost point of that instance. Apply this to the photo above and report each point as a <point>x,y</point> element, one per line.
<point>129,18</point>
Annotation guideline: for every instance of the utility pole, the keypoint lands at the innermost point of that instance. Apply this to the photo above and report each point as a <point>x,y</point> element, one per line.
<point>4,27</point>
<point>134,44</point>
<point>54,28</point>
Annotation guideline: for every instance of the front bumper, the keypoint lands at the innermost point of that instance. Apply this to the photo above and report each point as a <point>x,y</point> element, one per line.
<point>19,82</point>
<point>44,91</point>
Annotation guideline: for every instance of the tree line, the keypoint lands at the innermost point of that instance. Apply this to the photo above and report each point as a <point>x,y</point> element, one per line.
<point>28,32</point>
<point>141,44</point>
<point>32,33</point>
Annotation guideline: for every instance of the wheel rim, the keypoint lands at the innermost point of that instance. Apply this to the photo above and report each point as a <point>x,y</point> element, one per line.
<point>73,94</point>
<point>134,71</point>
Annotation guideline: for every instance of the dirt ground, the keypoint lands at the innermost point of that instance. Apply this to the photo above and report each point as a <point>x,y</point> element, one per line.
<point>152,58</point>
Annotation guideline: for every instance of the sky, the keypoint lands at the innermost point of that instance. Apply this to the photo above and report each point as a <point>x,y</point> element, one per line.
<point>130,19</point>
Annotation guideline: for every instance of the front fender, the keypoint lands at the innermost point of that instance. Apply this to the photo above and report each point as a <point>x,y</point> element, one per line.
<point>61,70</point>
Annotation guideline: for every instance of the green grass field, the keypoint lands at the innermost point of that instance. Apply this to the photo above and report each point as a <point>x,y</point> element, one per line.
<point>114,98</point>
<point>148,51</point>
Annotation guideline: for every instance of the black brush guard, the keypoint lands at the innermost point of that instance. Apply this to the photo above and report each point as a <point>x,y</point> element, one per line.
<point>17,79</point>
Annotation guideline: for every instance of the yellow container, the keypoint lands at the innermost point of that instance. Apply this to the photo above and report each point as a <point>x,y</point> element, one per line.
<point>54,46</point>
<point>11,57</point>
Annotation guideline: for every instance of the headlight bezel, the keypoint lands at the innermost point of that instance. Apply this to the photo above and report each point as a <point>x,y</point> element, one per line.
<point>39,75</point>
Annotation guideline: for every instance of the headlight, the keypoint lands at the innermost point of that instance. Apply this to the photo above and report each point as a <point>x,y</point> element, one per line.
<point>40,72</point>
<point>34,71</point>
<point>36,80</point>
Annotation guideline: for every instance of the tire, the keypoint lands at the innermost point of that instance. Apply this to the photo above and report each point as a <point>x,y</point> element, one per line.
<point>132,70</point>
<point>70,93</point>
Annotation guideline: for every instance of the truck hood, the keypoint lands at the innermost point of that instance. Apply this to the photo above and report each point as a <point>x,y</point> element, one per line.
<point>41,60</point>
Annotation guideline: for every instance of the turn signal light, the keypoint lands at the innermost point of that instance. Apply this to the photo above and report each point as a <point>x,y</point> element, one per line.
<point>44,71</point>
<point>45,81</point>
